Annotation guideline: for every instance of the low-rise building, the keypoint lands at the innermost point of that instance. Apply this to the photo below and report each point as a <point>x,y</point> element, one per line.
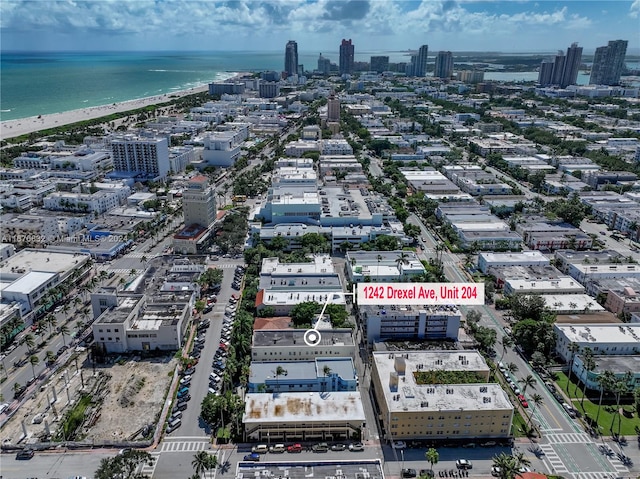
<point>393,322</point>
<point>487,259</point>
<point>293,417</point>
<point>602,339</point>
<point>417,398</point>
<point>290,345</point>
<point>624,367</point>
<point>319,375</point>
<point>382,266</point>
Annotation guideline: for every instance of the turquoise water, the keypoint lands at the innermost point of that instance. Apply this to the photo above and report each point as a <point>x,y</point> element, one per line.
<point>41,83</point>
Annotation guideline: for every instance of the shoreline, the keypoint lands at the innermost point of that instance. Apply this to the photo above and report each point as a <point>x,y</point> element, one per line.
<point>24,126</point>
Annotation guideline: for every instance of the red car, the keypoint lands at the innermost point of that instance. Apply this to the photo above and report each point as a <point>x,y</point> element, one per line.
<point>523,401</point>
<point>295,448</point>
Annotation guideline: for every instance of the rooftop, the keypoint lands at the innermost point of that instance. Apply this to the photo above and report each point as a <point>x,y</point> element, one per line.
<point>395,372</point>
<point>303,407</point>
<point>600,333</point>
<point>617,364</point>
<point>292,337</point>
<point>42,260</point>
<point>302,370</point>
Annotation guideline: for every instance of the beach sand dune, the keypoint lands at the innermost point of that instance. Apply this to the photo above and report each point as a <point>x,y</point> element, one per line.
<point>24,126</point>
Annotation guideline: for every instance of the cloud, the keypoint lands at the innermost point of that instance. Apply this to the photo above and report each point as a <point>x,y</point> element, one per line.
<point>346,10</point>
<point>634,10</point>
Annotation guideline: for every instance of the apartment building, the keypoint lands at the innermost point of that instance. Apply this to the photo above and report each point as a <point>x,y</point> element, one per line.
<point>413,404</point>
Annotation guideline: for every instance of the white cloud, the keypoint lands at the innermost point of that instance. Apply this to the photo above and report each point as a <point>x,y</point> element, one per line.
<point>634,10</point>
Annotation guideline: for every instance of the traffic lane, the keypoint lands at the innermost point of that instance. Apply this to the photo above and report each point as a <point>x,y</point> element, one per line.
<point>53,464</point>
<point>192,424</point>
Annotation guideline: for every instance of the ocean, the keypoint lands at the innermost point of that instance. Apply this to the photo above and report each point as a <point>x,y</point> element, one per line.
<point>42,83</point>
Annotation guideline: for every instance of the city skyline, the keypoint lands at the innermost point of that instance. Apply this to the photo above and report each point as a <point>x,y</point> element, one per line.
<point>317,25</point>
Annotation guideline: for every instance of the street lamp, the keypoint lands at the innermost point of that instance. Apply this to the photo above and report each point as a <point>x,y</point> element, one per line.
<point>402,456</point>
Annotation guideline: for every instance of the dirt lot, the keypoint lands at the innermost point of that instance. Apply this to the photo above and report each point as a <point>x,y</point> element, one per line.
<point>137,391</point>
<point>132,394</point>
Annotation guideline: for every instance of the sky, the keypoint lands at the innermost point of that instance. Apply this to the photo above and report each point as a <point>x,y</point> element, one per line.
<point>317,25</point>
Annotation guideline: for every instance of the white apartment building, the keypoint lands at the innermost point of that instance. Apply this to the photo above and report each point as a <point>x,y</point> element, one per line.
<point>148,157</point>
<point>29,230</point>
<point>289,345</point>
<point>382,266</point>
<point>98,202</point>
<point>487,259</point>
<point>382,323</point>
<point>605,339</point>
<point>222,148</point>
<point>335,147</point>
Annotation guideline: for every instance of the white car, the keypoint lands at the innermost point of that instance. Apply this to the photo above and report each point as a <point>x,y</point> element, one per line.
<point>463,464</point>
<point>186,379</point>
<point>398,444</point>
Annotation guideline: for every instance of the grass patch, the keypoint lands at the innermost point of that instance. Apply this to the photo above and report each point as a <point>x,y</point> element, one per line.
<point>74,419</point>
<point>519,426</point>
<point>607,411</point>
<point>562,381</point>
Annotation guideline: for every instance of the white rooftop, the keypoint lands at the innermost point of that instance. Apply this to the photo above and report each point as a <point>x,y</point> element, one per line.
<point>303,407</point>
<point>600,333</point>
<point>29,282</point>
<point>522,256</point>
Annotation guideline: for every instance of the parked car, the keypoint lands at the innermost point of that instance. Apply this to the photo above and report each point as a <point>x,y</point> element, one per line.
<point>320,447</point>
<point>188,371</point>
<point>409,473</point>
<point>294,448</point>
<point>398,444</point>
<point>185,380</point>
<point>184,399</point>
<point>338,447</point>
<point>260,449</point>
<point>278,448</point>
<point>356,447</point>
<point>25,454</point>
<point>495,471</point>
<point>523,401</point>
<point>464,464</point>
<point>180,407</point>
<point>253,457</point>
<point>173,426</point>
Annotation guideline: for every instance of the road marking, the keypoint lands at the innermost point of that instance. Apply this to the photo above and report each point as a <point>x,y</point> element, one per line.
<point>568,438</point>
<point>149,468</point>
<point>546,406</point>
<point>556,465</point>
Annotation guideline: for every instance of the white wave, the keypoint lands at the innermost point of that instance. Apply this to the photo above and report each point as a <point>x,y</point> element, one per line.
<point>5,111</point>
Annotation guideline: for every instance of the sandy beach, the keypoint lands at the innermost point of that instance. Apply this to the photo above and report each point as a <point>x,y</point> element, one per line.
<point>23,126</point>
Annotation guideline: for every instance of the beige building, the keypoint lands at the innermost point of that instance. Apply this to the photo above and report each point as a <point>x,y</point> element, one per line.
<point>289,345</point>
<point>411,410</point>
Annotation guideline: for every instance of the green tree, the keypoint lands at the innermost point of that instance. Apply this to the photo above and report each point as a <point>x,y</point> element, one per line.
<point>573,348</point>
<point>506,465</point>
<point>506,343</point>
<point>202,462</point>
<point>64,331</point>
<point>486,337</point>
<point>432,456</point>
<point>124,466</point>
<point>606,380</point>
<point>588,364</point>
<point>303,313</point>
<point>30,341</point>
<point>527,382</point>
<point>34,361</point>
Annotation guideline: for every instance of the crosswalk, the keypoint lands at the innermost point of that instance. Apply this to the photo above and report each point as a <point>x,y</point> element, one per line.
<point>568,438</point>
<point>147,469</point>
<point>594,475</point>
<point>555,462</point>
<point>193,445</point>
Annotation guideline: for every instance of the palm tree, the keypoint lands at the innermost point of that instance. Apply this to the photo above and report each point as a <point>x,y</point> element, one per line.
<point>511,368</point>
<point>606,381</point>
<point>573,349</point>
<point>64,330</point>
<point>34,361</point>
<point>619,387</point>
<point>507,342</point>
<point>379,258</point>
<point>537,401</point>
<point>30,341</point>
<point>200,462</point>
<point>280,371</point>
<point>506,465</point>
<point>432,456</point>
<point>588,364</point>
<point>51,321</point>
<point>51,357</point>
<point>528,381</point>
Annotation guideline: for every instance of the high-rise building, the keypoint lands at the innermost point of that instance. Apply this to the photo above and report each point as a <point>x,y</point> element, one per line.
<point>608,63</point>
<point>571,65</point>
<point>324,65</point>
<point>333,109</point>
<point>420,68</point>
<point>563,70</point>
<point>444,65</point>
<point>379,64</point>
<point>199,202</point>
<point>146,156</point>
<point>291,58</point>
<point>346,57</point>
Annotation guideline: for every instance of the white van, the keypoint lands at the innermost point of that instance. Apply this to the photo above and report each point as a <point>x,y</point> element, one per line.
<point>569,409</point>
<point>173,425</point>
<point>260,449</point>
